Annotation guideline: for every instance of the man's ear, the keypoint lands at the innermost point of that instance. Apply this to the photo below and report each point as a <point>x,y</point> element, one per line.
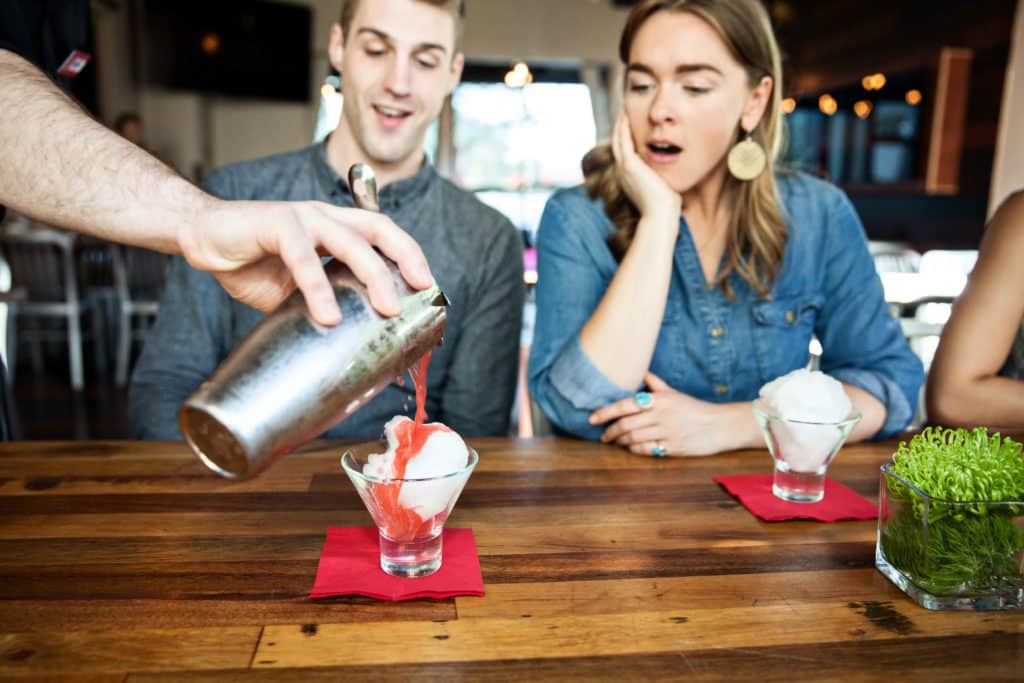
<point>458,64</point>
<point>336,46</point>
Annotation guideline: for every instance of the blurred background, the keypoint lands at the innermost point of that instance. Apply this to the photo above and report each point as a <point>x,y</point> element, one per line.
<point>906,104</point>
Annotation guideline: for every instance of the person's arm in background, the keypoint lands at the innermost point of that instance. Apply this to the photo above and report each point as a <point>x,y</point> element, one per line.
<point>61,167</point>
<point>964,388</point>
<point>481,384</point>
<point>863,346</point>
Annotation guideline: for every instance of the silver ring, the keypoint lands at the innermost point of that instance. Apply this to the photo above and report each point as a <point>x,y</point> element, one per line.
<point>658,451</point>
<point>644,400</point>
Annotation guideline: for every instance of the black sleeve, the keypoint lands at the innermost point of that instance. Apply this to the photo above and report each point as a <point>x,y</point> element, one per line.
<point>19,33</point>
<point>45,31</point>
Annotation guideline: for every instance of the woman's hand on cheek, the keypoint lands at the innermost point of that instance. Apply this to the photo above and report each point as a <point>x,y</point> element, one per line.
<point>644,187</point>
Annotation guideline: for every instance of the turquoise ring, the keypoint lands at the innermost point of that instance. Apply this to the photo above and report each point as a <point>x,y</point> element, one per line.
<point>644,400</point>
<point>658,451</point>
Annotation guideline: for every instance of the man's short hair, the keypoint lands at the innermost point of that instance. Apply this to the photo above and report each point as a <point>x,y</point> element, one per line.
<point>456,7</point>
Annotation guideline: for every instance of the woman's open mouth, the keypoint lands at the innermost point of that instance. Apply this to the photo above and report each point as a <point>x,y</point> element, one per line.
<point>662,152</point>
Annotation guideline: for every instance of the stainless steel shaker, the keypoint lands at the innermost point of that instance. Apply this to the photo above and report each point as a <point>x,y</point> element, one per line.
<point>291,379</point>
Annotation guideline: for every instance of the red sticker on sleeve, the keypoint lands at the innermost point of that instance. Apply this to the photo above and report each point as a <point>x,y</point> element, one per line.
<point>74,64</point>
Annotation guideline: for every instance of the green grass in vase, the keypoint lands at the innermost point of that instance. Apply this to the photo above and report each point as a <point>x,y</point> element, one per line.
<point>958,547</point>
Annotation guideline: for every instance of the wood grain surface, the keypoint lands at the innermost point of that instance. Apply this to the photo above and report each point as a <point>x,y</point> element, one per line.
<point>128,561</point>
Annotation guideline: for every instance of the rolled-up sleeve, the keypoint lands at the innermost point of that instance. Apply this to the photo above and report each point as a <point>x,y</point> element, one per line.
<point>862,344</point>
<point>572,276</point>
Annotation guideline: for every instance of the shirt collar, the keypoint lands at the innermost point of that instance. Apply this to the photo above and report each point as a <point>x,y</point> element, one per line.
<point>391,196</point>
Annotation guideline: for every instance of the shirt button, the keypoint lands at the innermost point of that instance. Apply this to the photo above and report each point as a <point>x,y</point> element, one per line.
<point>791,317</point>
<point>717,331</point>
<point>721,389</point>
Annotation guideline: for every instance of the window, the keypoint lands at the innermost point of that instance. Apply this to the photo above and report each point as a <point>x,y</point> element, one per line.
<point>515,146</point>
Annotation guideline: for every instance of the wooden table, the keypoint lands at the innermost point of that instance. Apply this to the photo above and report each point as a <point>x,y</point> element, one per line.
<point>129,561</point>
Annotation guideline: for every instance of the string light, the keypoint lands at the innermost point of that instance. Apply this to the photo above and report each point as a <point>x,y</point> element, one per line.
<point>788,105</point>
<point>827,104</point>
<point>862,109</point>
<point>873,81</point>
<point>913,97</point>
<point>210,43</point>
<point>518,76</point>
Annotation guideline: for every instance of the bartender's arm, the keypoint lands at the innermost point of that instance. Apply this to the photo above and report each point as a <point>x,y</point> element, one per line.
<point>61,167</point>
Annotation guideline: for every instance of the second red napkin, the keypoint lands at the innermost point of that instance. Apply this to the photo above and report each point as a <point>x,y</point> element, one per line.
<point>754,491</point>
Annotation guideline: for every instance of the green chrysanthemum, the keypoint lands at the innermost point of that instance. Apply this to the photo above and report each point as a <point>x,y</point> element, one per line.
<point>957,547</point>
<point>962,466</point>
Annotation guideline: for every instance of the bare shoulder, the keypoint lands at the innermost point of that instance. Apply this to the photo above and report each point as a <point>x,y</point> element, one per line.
<point>1005,232</point>
<point>998,274</point>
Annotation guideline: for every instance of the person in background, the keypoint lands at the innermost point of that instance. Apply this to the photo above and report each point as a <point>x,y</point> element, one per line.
<point>399,60</point>
<point>689,270</point>
<point>61,167</point>
<point>129,126</point>
<point>977,376</point>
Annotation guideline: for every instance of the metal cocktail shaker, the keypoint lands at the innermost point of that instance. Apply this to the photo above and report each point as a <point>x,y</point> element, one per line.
<point>290,379</point>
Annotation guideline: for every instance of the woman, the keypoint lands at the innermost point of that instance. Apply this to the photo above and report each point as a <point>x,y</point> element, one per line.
<point>686,266</point>
<point>977,377</point>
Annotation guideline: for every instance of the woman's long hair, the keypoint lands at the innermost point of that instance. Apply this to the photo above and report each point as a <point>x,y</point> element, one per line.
<point>756,231</point>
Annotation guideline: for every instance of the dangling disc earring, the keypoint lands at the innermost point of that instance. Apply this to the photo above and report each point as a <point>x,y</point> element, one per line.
<point>746,159</point>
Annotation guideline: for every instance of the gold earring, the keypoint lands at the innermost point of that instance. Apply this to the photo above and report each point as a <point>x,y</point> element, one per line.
<point>747,159</point>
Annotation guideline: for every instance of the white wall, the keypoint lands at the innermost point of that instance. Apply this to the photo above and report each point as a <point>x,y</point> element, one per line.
<point>116,90</point>
<point>578,30</point>
<point>171,122</point>
<point>1008,169</point>
<point>545,29</point>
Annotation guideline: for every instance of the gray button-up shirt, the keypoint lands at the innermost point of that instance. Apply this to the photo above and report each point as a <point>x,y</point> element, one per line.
<point>475,255</point>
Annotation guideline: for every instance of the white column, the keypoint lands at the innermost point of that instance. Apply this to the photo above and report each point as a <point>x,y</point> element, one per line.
<point>1008,169</point>
<point>599,98</point>
<point>115,81</point>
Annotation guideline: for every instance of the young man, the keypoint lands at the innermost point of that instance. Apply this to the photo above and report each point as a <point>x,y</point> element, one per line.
<point>399,60</point>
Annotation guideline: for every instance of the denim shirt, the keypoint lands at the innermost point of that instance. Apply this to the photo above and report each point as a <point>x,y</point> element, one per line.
<point>712,348</point>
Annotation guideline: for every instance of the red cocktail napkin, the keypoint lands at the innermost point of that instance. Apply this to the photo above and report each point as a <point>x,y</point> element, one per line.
<point>839,503</point>
<point>350,565</point>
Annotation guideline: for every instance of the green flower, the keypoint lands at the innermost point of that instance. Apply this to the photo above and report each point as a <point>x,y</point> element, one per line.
<point>958,541</point>
<point>963,466</point>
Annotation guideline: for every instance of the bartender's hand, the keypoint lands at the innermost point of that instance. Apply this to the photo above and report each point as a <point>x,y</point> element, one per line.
<point>261,251</point>
<point>676,423</point>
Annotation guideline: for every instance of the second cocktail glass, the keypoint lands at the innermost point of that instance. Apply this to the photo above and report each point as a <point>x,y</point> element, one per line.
<point>802,452</point>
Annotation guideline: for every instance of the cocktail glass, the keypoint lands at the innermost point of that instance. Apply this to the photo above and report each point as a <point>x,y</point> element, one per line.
<point>802,451</point>
<point>409,513</point>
